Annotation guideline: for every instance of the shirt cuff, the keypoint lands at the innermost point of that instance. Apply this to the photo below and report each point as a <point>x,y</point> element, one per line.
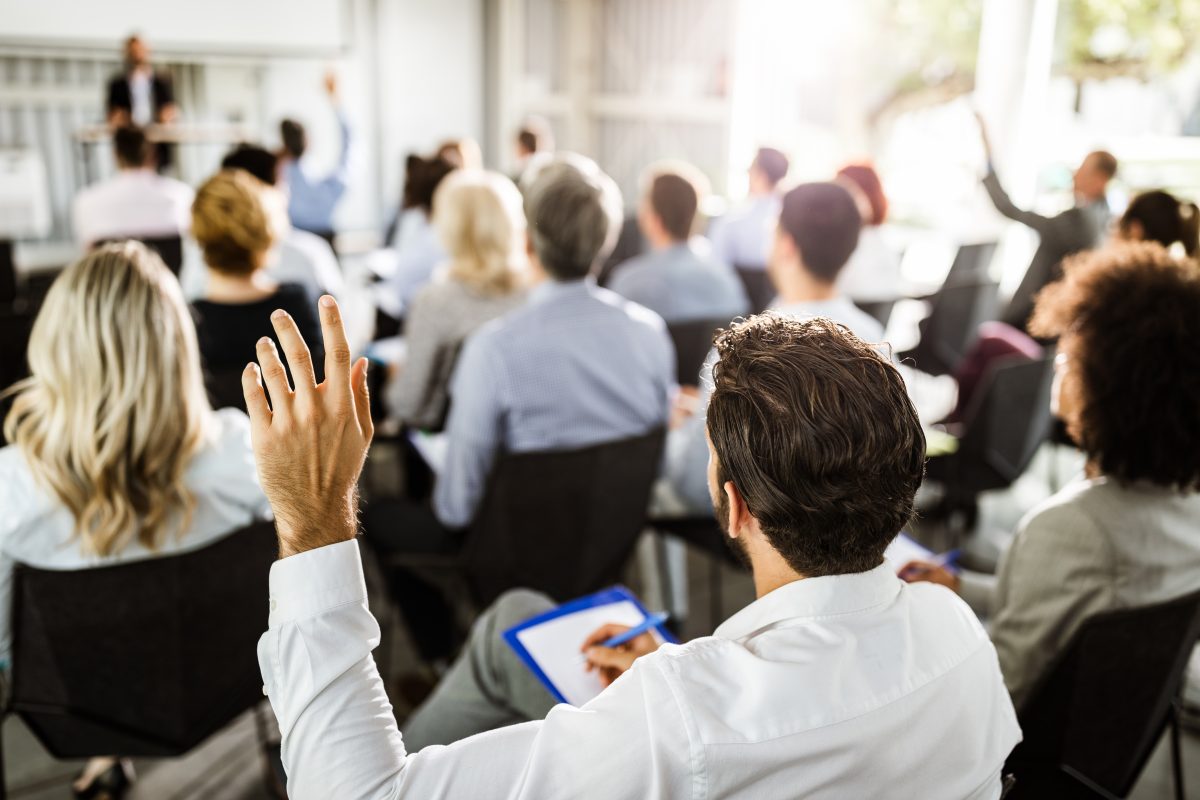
<point>310,583</point>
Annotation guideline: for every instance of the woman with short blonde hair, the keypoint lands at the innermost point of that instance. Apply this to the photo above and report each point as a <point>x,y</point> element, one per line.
<point>478,217</point>
<point>115,453</point>
<point>237,222</point>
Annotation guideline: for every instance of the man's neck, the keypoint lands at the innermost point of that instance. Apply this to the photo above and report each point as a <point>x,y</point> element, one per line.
<point>796,284</point>
<point>664,242</point>
<point>771,572</point>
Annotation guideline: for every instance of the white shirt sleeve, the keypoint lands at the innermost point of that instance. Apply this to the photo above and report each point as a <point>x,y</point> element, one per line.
<point>340,737</point>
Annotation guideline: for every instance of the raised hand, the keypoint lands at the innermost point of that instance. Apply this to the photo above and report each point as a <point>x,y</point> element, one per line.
<point>309,443</point>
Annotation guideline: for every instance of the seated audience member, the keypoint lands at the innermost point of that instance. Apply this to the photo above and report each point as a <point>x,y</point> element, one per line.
<point>116,455</point>
<point>534,137</point>
<point>872,274</point>
<point>1080,227</point>
<point>313,199</point>
<point>1160,217</point>
<point>817,231</point>
<point>137,202</point>
<point>299,256</point>
<point>462,153</point>
<point>1127,386</point>
<point>236,226</point>
<point>838,681</point>
<point>742,237</point>
<point>675,279</point>
<point>479,220</point>
<point>575,366</point>
<point>418,249</point>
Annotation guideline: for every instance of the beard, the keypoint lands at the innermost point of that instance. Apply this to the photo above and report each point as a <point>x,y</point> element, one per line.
<point>735,544</point>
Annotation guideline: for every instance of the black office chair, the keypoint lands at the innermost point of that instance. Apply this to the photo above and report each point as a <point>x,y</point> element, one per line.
<point>560,522</point>
<point>169,248</point>
<point>147,658</point>
<point>693,341</point>
<point>563,523</point>
<point>972,263</point>
<point>15,327</point>
<point>958,309</point>
<point>759,288</point>
<point>1007,420</point>
<point>1092,722</point>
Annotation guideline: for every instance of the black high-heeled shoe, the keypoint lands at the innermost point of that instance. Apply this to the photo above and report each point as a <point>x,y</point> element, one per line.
<point>109,785</point>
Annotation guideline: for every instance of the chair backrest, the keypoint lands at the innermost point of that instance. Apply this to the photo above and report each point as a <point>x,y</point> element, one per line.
<point>1102,706</point>
<point>1008,419</point>
<point>693,341</point>
<point>169,248</point>
<point>146,658</point>
<point>957,311</point>
<point>563,523</point>
<point>971,263</point>
<point>759,288</point>
<point>8,274</point>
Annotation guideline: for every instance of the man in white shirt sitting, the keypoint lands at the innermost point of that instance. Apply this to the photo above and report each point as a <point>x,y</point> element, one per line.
<point>137,202</point>
<point>840,681</point>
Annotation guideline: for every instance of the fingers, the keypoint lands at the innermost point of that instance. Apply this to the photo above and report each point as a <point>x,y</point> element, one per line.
<point>337,352</point>
<point>606,658</point>
<point>298,358</point>
<point>256,399</point>
<point>273,374</point>
<point>362,398</point>
<point>603,634</point>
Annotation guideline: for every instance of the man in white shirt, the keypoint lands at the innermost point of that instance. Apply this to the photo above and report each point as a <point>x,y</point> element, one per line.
<point>742,238</point>
<point>840,681</point>
<point>137,202</point>
<point>817,230</point>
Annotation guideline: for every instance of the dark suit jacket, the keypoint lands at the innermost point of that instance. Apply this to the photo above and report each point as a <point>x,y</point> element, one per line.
<point>1076,229</point>
<point>119,95</point>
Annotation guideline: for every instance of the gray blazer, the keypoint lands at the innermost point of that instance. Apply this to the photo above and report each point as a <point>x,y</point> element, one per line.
<point>1093,547</point>
<point>1076,229</point>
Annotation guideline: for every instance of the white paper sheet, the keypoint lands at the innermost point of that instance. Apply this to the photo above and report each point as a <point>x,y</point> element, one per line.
<point>903,550</point>
<point>555,644</point>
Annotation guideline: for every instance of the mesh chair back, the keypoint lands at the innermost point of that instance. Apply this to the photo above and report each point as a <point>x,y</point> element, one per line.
<point>143,659</point>
<point>693,341</point>
<point>563,523</point>
<point>759,288</point>
<point>1104,704</point>
<point>957,312</point>
<point>1008,419</point>
<point>971,263</point>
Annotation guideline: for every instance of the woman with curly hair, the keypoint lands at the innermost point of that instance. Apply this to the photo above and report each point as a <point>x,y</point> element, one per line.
<point>1127,385</point>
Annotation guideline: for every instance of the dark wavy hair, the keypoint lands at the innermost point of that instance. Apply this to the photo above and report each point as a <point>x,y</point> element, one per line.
<point>1129,318</point>
<point>815,429</point>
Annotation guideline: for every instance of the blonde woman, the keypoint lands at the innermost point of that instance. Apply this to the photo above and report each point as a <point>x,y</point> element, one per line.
<point>478,217</point>
<point>236,224</point>
<point>116,454</point>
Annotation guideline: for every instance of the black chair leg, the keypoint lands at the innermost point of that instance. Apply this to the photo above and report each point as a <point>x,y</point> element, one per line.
<point>1176,752</point>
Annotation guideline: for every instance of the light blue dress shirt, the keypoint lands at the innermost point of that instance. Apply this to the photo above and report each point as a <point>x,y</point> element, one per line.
<point>687,447</point>
<point>743,237</point>
<point>575,366</point>
<point>312,200</point>
<point>680,284</point>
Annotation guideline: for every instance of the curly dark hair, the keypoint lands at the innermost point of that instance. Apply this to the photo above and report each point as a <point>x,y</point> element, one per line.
<point>815,429</point>
<point>1129,318</point>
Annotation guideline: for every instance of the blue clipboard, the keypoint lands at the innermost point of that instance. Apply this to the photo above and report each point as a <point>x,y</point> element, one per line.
<point>605,597</point>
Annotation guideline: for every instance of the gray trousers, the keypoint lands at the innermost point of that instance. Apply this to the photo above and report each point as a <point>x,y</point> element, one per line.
<point>488,687</point>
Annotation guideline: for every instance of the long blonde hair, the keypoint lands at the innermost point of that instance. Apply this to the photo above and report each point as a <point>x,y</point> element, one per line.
<point>116,407</point>
<point>479,219</point>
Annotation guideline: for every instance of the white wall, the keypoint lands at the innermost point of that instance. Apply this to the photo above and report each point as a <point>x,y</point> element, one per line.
<point>431,78</point>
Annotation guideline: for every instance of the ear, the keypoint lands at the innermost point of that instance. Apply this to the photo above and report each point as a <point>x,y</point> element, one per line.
<point>740,518</point>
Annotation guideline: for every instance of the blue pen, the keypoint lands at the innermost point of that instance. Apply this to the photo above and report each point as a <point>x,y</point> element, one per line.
<point>949,559</point>
<point>650,622</point>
